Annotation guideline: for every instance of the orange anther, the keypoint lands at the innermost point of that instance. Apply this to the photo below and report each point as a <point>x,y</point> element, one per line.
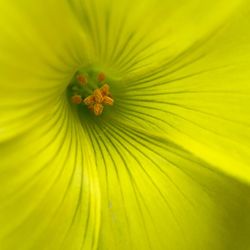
<point>98,109</point>
<point>82,80</point>
<point>76,99</point>
<point>89,100</point>
<point>98,96</point>
<point>108,100</point>
<point>101,77</point>
<point>105,89</point>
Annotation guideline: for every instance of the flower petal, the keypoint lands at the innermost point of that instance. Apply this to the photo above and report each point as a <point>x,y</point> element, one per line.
<point>130,35</point>
<point>200,101</point>
<point>49,189</point>
<point>159,196</point>
<point>41,46</point>
<point>155,187</point>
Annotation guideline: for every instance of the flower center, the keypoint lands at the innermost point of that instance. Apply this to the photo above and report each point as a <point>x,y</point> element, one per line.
<point>92,90</point>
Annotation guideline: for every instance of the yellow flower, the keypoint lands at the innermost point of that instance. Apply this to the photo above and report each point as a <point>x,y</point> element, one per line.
<point>124,125</point>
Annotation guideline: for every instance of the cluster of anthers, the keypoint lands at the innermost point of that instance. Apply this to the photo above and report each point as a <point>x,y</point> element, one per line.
<point>98,99</point>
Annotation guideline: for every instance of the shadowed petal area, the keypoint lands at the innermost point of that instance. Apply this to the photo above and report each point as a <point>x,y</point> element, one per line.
<point>157,195</point>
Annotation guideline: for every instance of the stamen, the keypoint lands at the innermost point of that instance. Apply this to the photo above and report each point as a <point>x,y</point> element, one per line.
<point>98,96</point>
<point>101,77</point>
<point>76,99</point>
<point>82,80</point>
<point>98,109</point>
<point>108,100</point>
<point>96,101</point>
<point>89,100</point>
<point>105,89</point>
<point>82,87</point>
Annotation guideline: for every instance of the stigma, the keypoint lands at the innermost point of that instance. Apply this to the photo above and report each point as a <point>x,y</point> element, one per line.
<point>92,92</point>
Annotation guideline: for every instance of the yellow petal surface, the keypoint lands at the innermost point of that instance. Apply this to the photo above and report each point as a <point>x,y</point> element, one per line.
<point>49,192</point>
<point>166,167</point>
<point>156,195</point>
<point>40,51</point>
